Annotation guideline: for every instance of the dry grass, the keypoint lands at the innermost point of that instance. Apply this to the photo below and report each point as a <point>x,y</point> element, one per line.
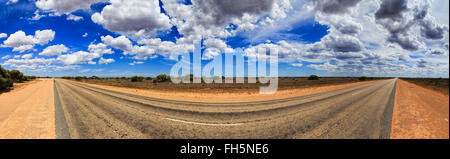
<point>438,84</point>
<point>283,83</point>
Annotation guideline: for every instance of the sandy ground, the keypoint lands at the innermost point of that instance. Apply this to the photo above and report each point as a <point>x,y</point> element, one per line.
<point>27,112</point>
<point>229,97</point>
<point>419,113</point>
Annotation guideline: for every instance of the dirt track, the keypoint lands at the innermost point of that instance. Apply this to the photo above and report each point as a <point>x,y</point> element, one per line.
<point>28,112</point>
<point>362,111</point>
<point>420,113</point>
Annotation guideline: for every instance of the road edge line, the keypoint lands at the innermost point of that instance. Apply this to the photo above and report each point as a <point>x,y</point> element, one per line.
<point>61,127</point>
<point>386,121</point>
<point>198,123</point>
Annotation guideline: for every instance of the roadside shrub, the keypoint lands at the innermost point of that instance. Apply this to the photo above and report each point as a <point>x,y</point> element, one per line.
<point>78,78</point>
<point>94,77</point>
<point>5,83</point>
<point>148,78</point>
<point>16,76</point>
<point>162,78</point>
<point>313,77</point>
<point>362,78</point>
<point>4,73</point>
<point>137,79</point>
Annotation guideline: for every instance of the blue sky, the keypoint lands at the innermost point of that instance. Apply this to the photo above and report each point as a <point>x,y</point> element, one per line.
<point>125,38</point>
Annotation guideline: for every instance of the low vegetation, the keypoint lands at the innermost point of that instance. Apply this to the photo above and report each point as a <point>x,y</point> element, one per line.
<point>137,79</point>
<point>438,84</point>
<point>162,82</point>
<point>9,77</point>
<point>313,77</point>
<point>362,78</point>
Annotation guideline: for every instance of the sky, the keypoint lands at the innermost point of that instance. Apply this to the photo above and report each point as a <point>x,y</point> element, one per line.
<point>115,38</point>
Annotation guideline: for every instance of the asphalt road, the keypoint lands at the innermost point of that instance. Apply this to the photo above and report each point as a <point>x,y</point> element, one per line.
<point>364,111</point>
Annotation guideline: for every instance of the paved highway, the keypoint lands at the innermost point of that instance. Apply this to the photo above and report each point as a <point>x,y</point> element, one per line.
<point>84,111</point>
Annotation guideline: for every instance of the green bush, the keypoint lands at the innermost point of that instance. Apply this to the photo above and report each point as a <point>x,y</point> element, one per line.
<point>137,79</point>
<point>7,78</point>
<point>162,78</point>
<point>78,78</point>
<point>94,77</point>
<point>148,78</point>
<point>16,76</point>
<point>362,78</point>
<point>4,73</point>
<point>5,83</point>
<point>313,77</point>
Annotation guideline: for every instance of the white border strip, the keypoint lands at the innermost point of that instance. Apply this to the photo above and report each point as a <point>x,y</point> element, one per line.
<point>207,124</point>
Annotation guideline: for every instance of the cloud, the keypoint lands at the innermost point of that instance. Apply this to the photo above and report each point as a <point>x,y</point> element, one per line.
<point>392,9</point>
<point>121,42</point>
<point>334,6</point>
<point>324,67</point>
<point>54,50</point>
<point>136,63</point>
<point>100,49</point>
<point>36,61</point>
<point>3,35</point>
<point>398,19</point>
<point>21,42</point>
<point>6,57</point>
<point>219,12</point>
<point>85,35</point>
<point>430,30</point>
<point>132,17</point>
<point>297,64</point>
<point>83,57</point>
<point>44,36</point>
<point>80,57</point>
<point>105,61</point>
<point>74,17</point>
<point>436,52</point>
<point>422,63</point>
<point>342,43</point>
<point>64,6</point>
<point>12,2</point>
<point>27,56</point>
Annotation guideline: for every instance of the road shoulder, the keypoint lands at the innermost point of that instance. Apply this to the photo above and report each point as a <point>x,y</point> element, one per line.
<point>28,113</point>
<point>419,113</point>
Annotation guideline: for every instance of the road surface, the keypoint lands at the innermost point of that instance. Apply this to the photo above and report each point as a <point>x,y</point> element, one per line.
<point>84,111</point>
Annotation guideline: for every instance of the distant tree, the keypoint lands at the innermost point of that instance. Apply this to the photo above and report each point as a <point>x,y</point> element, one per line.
<point>78,78</point>
<point>5,78</point>
<point>137,79</point>
<point>17,76</point>
<point>5,83</point>
<point>362,78</point>
<point>313,77</point>
<point>4,73</point>
<point>94,77</point>
<point>148,78</point>
<point>162,78</point>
